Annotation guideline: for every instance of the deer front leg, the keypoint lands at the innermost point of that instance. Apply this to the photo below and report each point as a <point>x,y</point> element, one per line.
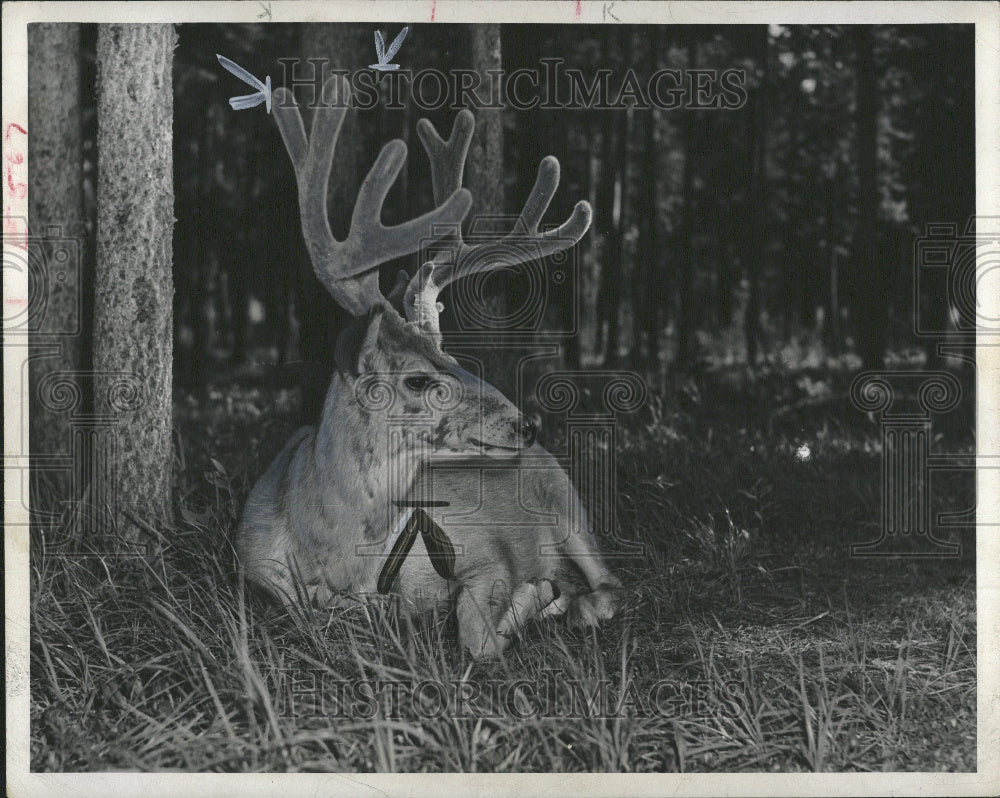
<point>479,607</point>
<point>601,604</point>
<point>528,601</point>
<point>485,628</point>
<point>607,594</point>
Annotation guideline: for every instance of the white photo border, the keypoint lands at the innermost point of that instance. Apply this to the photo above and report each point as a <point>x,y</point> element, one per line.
<point>986,18</point>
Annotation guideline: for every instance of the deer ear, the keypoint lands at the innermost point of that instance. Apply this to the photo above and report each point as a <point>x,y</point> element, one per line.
<point>358,342</point>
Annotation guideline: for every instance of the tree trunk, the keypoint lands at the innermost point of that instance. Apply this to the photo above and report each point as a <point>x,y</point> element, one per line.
<point>133,345</point>
<point>590,253</point>
<point>205,258</point>
<point>604,227</point>
<point>486,154</point>
<point>320,318</point>
<point>570,292</point>
<point>647,281</point>
<point>756,197</point>
<point>614,258</point>
<point>797,274</point>
<point>946,188</point>
<point>685,322</point>
<point>55,156</point>
<point>869,274</point>
<point>486,182</point>
<point>832,337</point>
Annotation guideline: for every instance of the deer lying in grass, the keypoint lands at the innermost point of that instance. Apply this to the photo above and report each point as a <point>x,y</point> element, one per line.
<point>320,523</point>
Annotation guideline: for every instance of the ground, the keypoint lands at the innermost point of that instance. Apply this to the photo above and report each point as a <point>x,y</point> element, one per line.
<point>752,640</point>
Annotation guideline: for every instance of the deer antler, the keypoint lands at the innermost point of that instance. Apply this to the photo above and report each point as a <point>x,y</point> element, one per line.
<point>349,269</point>
<point>447,163</point>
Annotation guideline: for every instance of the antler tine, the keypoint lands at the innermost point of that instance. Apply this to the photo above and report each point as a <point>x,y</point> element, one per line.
<point>312,159</point>
<point>524,243</point>
<point>447,159</point>
<point>349,269</point>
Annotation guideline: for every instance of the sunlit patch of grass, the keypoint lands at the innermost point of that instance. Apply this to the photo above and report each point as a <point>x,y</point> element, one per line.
<point>750,641</point>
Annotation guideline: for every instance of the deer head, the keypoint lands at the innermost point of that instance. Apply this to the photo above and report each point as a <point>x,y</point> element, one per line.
<point>390,360</point>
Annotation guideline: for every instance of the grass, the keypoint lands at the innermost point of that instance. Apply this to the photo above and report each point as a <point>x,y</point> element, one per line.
<point>752,641</point>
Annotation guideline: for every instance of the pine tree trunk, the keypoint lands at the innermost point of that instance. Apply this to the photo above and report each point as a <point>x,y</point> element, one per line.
<point>614,259</point>
<point>685,322</point>
<point>867,302</point>
<point>832,276</point>
<point>590,253</point>
<point>486,182</point>
<point>756,197</point>
<point>648,286</point>
<point>567,294</point>
<point>55,157</point>
<point>134,285</point>
<point>604,226</point>
<point>486,154</point>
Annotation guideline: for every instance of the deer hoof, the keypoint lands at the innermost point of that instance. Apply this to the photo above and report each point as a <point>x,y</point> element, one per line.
<point>491,647</point>
<point>589,609</point>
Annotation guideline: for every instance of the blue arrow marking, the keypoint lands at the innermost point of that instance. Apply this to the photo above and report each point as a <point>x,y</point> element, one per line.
<point>262,95</point>
<point>383,55</point>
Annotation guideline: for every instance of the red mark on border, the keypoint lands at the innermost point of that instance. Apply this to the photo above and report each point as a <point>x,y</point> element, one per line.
<point>434,5</point>
<point>13,229</point>
<point>6,135</point>
<point>16,190</point>
<point>579,9</point>
<point>13,234</point>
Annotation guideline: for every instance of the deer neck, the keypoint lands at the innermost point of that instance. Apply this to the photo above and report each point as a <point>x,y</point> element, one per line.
<point>375,463</point>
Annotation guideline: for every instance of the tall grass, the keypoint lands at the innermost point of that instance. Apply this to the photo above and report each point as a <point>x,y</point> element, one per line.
<point>751,641</point>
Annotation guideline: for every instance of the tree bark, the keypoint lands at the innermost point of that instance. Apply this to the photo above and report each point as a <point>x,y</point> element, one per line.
<point>685,322</point>
<point>486,182</point>
<point>614,259</point>
<point>869,274</point>
<point>945,191</point>
<point>55,157</point>
<point>604,226</point>
<point>647,281</point>
<point>486,155</point>
<point>568,294</point>
<point>133,346</point>
<point>590,255</point>
<point>756,197</point>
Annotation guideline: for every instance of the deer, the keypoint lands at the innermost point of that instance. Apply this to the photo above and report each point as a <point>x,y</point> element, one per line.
<point>408,440</point>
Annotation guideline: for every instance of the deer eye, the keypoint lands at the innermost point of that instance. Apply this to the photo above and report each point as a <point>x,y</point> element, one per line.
<point>417,383</point>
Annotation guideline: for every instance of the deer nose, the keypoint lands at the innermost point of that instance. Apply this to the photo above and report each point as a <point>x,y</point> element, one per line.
<point>527,430</point>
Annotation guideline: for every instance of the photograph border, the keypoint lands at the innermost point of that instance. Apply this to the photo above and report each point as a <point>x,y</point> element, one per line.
<point>22,782</point>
